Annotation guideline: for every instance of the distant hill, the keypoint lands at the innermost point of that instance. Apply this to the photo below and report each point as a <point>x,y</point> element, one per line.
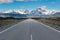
<point>57,14</point>
<point>13,14</point>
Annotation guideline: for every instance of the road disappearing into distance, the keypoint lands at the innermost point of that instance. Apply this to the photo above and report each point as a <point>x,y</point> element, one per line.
<point>30,29</point>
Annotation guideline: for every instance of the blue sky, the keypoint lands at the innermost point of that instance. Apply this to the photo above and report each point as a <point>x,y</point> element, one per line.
<point>29,4</point>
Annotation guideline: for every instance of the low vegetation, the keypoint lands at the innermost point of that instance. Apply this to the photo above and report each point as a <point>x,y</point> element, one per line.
<point>8,22</point>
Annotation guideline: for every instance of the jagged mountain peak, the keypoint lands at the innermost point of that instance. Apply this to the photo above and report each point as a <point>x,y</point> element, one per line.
<point>17,11</point>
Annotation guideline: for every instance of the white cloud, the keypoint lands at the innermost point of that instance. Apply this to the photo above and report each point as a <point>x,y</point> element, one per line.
<point>43,7</point>
<point>34,0</point>
<point>26,0</point>
<point>8,11</point>
<point>6,1</point>
<point>21,0</point>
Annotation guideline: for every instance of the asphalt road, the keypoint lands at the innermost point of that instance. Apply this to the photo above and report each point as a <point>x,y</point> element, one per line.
<point>30,30</point>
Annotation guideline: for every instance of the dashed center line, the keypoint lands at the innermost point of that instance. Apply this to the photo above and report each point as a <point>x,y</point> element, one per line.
<point>31,36</point>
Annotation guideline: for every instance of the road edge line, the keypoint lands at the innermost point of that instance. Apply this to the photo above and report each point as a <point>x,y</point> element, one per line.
<point>50,27</point>
<point>11,27</point>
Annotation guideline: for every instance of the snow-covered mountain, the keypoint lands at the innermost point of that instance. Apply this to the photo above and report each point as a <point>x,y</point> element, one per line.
<point>57,14</point>
<point>17,11</point>
<point>14,14</point>
<point>39,12</point>
<point>43,12</point>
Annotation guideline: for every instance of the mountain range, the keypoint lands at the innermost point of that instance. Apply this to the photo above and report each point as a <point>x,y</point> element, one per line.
<point>42,12</point>
<point>39,12</point>
<point>13,14</point>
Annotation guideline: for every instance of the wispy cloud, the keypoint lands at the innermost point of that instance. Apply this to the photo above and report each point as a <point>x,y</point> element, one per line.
<point>26,0</point>
<point>43,7</point>
<point>21,0</point>
<point>9,1</point>
<point>6,1</point>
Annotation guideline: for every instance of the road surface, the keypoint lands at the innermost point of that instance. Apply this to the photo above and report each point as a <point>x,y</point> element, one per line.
<point>30,30</point>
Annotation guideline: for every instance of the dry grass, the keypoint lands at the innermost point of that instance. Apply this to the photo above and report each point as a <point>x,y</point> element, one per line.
<point>53,22</point>
<point>6,23</point>
<point>9,21</point>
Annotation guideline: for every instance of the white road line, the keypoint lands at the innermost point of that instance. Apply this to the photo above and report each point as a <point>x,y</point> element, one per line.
<point>9,28</point>
<point>50,27</point>
<point>47,26</point>
<point>31,36</point>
